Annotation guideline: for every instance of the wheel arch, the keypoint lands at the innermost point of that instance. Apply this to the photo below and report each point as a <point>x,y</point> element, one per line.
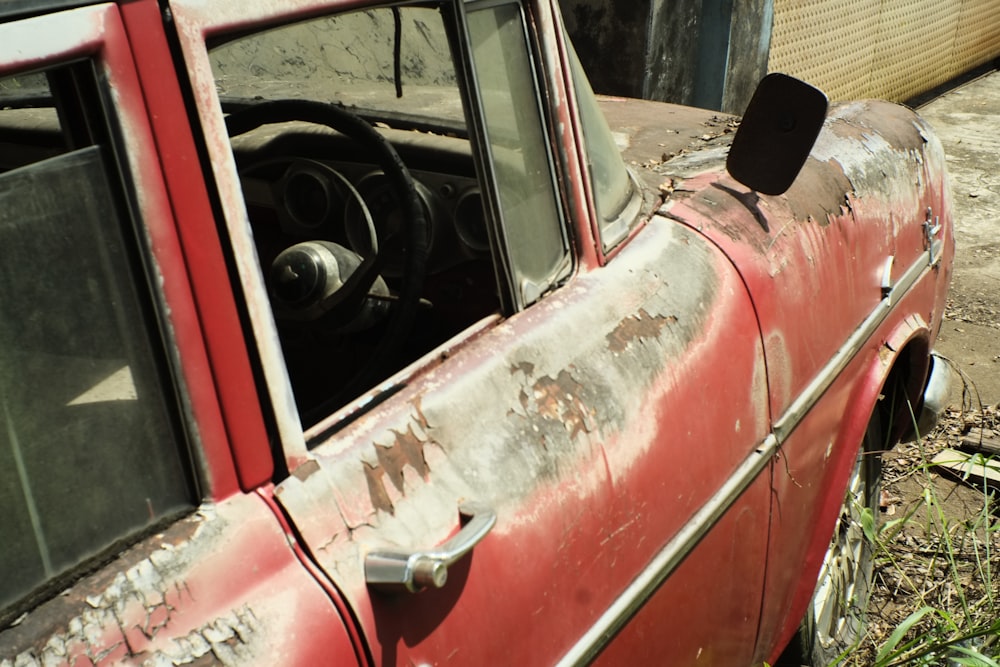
<point>892,368</point>
<point>895,381</point>
<point>889,383</point>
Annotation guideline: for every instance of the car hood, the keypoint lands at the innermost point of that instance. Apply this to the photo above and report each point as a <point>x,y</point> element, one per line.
<point>867,150</point>
<point>661,140</point>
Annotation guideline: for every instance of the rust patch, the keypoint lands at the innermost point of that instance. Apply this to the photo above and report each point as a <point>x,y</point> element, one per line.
<point>525,367</point>
<point>304,471</point>
<point>639,326</point>
<point>376,488</point>
<point>407,449</point>
<point>558,399</point>
<point>820,192</point>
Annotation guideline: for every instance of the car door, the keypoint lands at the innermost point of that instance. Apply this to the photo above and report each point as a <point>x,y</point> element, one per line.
<point>126,535</point>
<point>520,493</point>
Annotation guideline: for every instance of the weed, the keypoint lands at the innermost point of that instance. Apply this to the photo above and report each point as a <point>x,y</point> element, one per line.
<point>935,597</point>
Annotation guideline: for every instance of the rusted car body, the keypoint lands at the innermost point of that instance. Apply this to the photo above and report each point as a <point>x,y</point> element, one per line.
<point>592,408</point>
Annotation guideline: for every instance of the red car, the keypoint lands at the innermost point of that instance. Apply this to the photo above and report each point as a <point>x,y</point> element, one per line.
<point>337,332</point>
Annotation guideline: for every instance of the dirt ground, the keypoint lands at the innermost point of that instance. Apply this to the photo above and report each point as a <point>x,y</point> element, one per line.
<point>967,120</point>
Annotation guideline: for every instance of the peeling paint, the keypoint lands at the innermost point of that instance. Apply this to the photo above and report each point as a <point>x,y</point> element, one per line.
<point>142,594</point>
<point>407,449</point>
<point>860,198</point>
<point>559,399</point>
<point>229,640</point>
<point>219,586</point>
<point>538,404</point>
<point>552,418</point>
<point>638,327</point>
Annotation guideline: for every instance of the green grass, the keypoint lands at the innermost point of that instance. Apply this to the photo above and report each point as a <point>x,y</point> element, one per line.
<point>936,591</point>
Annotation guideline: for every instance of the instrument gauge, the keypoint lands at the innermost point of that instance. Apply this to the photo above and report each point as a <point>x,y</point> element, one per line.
<point>389,219</point>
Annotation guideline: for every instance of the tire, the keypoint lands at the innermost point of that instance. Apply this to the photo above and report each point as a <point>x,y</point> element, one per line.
<point>835,618</point>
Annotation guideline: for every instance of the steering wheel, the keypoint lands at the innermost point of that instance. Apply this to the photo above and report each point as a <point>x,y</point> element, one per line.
<point>355,289</point>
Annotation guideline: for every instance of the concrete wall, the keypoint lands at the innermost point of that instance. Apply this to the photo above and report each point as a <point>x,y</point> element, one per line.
<point>708,53</point>
<point>610,38</point>
<point>712,53</point>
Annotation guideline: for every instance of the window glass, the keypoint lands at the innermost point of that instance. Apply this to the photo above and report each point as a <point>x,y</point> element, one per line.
<point>617,199</point>
<point>518,147</point>
<point>315,195</point>
<point>90,452</point>
<point>350,59</point>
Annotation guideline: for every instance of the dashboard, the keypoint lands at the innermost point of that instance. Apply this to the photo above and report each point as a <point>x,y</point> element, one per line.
<point>332,199</point>
<point>315,194</point>
<point>313,183</point>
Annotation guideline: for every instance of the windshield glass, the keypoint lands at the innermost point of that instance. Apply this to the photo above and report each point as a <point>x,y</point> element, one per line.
<point>359,59</point>
<point>617,199</point>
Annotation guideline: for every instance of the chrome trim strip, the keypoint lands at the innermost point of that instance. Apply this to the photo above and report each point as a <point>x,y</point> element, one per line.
<point>797,410</point>
<point>887,276</point>
<point>642,588</point>
<point>621,611</point>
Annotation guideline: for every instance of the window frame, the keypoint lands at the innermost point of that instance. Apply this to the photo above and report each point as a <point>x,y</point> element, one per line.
<point>96,35</point>
<point>91,42</point>
<point>195,25</point>
<point>515,299</point>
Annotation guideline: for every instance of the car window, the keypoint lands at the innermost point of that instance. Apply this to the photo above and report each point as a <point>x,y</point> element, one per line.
<point>89,453</point>
<point>320,200</point>
<point>350,59</point>
<point>616,197</point>
<point>517,144</point>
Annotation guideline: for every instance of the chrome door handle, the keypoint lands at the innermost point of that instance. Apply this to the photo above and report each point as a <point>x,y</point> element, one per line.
<point>932,227</point>
<point>398,571</point>
<point>887,276</point>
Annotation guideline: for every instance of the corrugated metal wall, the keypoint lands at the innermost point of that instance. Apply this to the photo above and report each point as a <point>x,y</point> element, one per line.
<point>892,49</point>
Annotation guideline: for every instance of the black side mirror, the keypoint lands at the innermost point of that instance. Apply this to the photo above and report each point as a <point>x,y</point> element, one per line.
<point>779,129</point>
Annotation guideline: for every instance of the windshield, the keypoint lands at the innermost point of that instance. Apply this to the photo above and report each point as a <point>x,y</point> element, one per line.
<point>617,199</point>
<point>396,62</point>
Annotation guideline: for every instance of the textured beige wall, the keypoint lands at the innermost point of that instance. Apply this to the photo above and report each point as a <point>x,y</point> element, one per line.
<point>892,49</point>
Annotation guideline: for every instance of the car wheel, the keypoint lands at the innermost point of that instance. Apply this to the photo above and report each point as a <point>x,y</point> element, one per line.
<point>834,620</point>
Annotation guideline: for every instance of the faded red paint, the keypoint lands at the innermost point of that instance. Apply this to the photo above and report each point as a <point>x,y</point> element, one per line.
<point>841,219</point>
<point>573,444</point>
<point>229,382</point>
